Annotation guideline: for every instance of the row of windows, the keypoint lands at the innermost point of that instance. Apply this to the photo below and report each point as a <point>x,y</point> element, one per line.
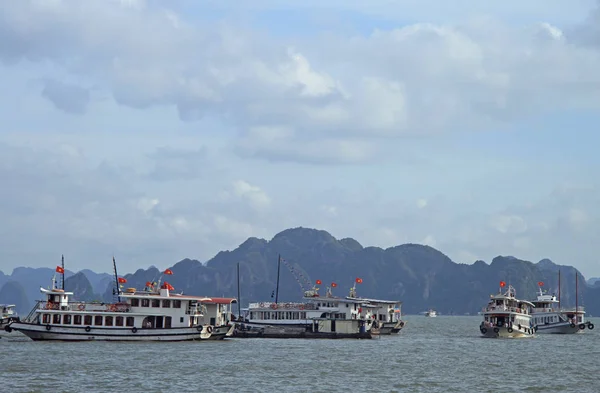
<point>166,303</point>
<point>98,320</point>
<point>278,315</point>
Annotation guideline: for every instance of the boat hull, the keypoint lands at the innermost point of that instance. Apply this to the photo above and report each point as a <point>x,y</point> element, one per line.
<point>505,332</point>
<point>564,328</point>
<point>39,332</point>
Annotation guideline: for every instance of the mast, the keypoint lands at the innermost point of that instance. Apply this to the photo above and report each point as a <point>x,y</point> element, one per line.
<point>238,299</point>
<point>277,287</point>
<point>576,294</point>
<point>559,289</point>
<point>116,280</point>
<point>63,272</point>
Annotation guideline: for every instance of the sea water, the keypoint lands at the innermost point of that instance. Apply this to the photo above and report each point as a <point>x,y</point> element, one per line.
<point>443,354</point>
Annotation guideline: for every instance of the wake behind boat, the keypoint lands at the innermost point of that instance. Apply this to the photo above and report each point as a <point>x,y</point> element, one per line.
<point>153,314</point>
<point>505,316</point>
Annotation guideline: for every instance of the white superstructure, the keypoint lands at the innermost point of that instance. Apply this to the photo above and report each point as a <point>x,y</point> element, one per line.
<point>507,316</point>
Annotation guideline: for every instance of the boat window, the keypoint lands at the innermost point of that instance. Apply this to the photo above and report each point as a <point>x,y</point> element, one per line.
<point>98,320</point>
<point>46,318</point>
<point>67,319</point>
<point>87,320</point>
<point>77,320</point>
<point>135,302</point>
<point>166,303</point>
<point>129,321</point>
<point>119,321</point>
<point>155,303</point>
<point>108,321</point>
<point>145,302</point>
<point>56,318</point>
<point>181,320</point>
<point>176,303</point>
<point>167,322</point>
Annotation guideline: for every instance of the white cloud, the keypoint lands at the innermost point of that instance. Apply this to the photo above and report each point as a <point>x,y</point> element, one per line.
<point>416,79</point>
<point>253,194</point>
<point>139,124</point>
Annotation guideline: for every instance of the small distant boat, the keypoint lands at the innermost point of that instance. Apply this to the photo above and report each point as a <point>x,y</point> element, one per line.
<point>505,316</point>
<point>431,313</point>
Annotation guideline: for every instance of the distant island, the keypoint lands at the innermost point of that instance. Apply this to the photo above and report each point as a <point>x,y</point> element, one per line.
<point>420,276</point>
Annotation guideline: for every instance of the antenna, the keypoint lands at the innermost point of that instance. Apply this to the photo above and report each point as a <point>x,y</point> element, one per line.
<point>238,288</point>
<point>277,288</point>
<point>63,273</point>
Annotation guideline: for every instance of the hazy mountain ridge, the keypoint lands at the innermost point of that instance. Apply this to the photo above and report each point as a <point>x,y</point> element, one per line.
<point>420,276</point>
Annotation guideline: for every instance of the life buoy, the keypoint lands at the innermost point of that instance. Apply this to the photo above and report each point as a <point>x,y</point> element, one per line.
<point>134,329</point>
<point>274,306</point>
<point>87,328</point>
<point>510,330</point>
<point>48,327</point>
<point>301,307</point>
<point>591,326</point>
<point>262,305</point>
<point>49,306</point>
<point>483,330</point>
<point>81,307</point>
<point>581,326</point>
<point>209,329</point>
<point>199,328</point>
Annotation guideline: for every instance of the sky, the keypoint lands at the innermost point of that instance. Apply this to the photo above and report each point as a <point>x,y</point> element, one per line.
<point>161,130</point>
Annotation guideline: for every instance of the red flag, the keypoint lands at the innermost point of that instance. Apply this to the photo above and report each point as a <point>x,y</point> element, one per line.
<point>358,280</point>
<point>319,282</point>
<point>169,272</point>
<point>540,283</point>
<point>148,284</point>
<point>502,284</point>
<point>333,285</point>
<point>121,280</point>
<point>60,270</point>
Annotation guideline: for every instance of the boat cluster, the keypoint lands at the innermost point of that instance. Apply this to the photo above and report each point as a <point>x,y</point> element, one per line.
<point>158,313</point>
<point>506,316</point>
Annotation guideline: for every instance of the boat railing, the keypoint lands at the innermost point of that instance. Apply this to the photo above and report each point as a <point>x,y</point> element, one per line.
<point>573,309</point>
<point>283,306</point>
<point>505,309</point>
<point>544,309</point>
<point>84,306</point>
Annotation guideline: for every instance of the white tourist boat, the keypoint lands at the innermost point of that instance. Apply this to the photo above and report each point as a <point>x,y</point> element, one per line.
<point>431,313</point>
<point>506,316</point>
<point>153,314</point>
<point>386,313</point>
<point>550,318</point>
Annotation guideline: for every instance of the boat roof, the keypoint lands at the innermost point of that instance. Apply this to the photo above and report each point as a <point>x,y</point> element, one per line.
<point>376,300</point>
<point>503,297</point>
<point>54,291</point>
<point>220,300</point>
<point>174,296</point>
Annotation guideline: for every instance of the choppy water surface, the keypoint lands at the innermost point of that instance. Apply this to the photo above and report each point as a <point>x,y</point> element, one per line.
<point>443,354</point>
